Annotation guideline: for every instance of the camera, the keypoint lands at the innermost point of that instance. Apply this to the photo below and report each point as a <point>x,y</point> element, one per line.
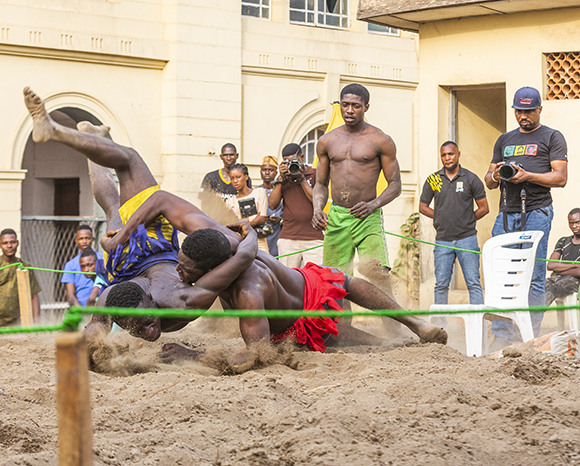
<point>508,171</point>
<point>263,231</point>
<point>294,167</point>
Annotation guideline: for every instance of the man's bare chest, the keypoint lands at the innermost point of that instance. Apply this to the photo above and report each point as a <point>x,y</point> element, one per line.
<point>356,151</point>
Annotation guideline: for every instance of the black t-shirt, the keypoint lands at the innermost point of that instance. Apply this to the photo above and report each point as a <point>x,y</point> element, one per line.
<point>567,249</point>
<point>454,216</point>
<point>533,152</point>
<point>214,182</point>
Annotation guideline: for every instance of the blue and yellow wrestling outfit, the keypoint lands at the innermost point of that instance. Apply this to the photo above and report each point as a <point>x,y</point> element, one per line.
<point>146,247</point>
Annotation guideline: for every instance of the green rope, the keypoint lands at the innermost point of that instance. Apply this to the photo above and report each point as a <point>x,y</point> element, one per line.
<point>71,319</point>
<point>433,244</point>
<point>277,314</point>
<point>73,316</point>
<point>11,265</point>
<point>55,270</point>
<point>36,329</point>
<point>25,267</point>
<point>299,252</point>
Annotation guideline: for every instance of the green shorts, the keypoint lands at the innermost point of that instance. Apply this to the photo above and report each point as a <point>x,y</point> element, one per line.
<point>346,234</point>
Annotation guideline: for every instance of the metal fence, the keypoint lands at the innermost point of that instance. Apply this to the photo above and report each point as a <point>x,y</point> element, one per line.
<point>48,242</point>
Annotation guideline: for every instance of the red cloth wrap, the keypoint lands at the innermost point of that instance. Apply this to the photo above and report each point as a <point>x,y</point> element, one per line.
<point>319,289</point>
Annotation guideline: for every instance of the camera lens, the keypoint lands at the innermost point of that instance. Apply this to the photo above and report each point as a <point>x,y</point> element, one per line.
<point>507,171</point>
<point>294,167</point>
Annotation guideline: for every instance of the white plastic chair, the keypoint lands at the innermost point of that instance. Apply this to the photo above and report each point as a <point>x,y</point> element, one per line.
<point>507,273</point>
<point>572,300</point>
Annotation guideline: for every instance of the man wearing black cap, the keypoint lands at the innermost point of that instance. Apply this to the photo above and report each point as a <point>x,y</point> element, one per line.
<point>526,163</point>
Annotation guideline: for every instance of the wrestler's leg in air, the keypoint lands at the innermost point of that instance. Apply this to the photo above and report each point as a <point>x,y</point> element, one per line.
<point>133,174</point>
<point>369,296</point>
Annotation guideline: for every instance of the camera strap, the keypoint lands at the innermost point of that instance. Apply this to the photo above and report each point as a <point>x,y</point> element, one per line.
<point>504,204</point>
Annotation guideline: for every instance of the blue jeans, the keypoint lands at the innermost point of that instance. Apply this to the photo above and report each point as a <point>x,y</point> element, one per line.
<point>541,220</point>
<point>444,260</point>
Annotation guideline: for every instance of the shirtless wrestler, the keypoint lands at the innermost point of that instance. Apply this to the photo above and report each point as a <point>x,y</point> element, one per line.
<point>351,157</point>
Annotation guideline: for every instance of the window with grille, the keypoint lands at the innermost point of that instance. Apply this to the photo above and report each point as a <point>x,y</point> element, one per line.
<point>256,8</point>
<point>380,29</point>
<point>316,13</point>
<point>308,143</point>
<point>563,76</point>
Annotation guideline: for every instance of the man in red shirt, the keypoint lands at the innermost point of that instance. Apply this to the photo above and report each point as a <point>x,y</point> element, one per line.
<point>296,182</point>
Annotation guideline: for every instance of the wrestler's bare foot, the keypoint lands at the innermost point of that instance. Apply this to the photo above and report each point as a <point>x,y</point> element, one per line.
<point>88,127</point>
<point>43,126</point>
<point>429,333</point>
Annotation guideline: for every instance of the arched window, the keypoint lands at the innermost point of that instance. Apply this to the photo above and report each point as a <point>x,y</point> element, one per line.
<point>309,141</point>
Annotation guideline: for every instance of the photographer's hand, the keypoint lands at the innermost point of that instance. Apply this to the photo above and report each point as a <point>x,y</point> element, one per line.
<point>283,170</point>
<point>492,178</point>
<point>495,174</point>
<point>299,177</point>
<point>520,177</point>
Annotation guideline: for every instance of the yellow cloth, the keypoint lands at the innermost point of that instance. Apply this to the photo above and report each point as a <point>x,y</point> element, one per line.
<point>129,208</point>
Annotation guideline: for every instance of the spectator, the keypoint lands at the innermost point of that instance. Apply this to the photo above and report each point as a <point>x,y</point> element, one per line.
<point>9,303</point>
<point>268,171</point>
<point>218,182</point>
<point>565,278</point>
<point>78,286</point>
<point>99,285</point>
<point>454,189</point>
<point>537,156</point>
<point>248,203</point>
<point>351,158</point>
<point>295,192</point>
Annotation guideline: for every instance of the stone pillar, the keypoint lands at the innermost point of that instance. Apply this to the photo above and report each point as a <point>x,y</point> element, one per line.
<point>10,209</point>
<point>202,90</point>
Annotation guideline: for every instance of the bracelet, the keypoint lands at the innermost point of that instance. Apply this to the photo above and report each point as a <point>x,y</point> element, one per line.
<point>496,181</point>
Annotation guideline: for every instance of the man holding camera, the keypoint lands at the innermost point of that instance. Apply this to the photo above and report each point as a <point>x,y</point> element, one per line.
<point>294,186</point>
<point>526,163</point>
<point>454,189</point>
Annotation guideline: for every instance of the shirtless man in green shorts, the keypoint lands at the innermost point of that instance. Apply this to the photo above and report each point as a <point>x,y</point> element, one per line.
<point>352,157</point>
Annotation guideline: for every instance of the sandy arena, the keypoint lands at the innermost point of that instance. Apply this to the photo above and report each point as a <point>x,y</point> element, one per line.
<point>422,404</point>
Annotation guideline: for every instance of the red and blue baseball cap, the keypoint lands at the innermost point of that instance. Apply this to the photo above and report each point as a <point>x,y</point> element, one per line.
<point>527,98</point>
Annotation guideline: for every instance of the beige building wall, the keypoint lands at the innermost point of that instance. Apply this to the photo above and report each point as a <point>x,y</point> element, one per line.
<point>501,50</point>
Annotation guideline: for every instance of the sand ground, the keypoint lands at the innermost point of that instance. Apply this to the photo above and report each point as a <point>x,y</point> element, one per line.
<point>422,404</point>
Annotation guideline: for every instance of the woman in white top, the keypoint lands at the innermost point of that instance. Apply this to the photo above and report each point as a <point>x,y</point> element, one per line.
<point>248,203</point>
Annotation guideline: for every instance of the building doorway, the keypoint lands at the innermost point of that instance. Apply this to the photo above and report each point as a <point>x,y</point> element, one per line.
<point>56,198</point>
<point>477,117</point>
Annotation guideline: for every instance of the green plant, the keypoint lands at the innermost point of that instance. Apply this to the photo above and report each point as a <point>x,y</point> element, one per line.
<point>406,265</point>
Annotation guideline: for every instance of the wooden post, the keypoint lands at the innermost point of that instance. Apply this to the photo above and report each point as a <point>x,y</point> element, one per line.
<point>75,430</point>
<point>24,297</point>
